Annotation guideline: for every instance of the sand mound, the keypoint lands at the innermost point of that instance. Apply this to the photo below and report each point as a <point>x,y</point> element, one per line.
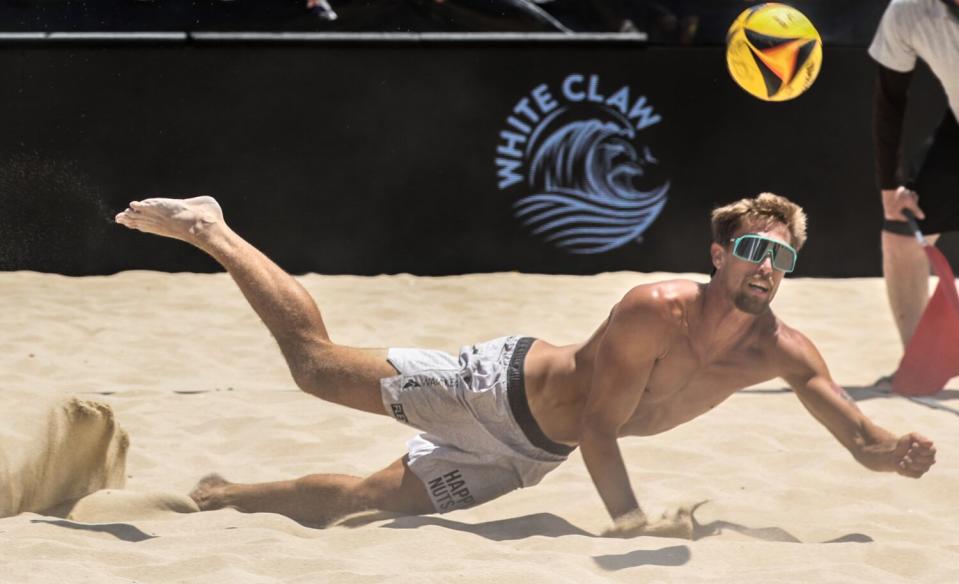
<point>59,451</point>
<point>112,505</point>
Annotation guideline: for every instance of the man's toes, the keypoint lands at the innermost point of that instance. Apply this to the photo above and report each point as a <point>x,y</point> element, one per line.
<point>209,481</point>
<point>125,218</point>
<point>148,206</point>
<point>206,492</point>
<point>128,217</point>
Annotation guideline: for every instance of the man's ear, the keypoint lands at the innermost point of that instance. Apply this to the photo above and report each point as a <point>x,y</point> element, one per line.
<point>718,254</point>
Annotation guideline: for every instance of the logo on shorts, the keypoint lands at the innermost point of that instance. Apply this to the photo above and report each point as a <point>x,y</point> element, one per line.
<point>398,413</point>
<point>449,491</point>
<point>424,381</point>
<point>588,180</point>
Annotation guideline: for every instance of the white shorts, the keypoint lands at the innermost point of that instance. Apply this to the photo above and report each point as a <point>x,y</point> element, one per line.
<point>479,439</point>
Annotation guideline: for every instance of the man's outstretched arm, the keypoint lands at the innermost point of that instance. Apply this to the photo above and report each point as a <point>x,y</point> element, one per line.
<point>627,351</point>
<point>874,447</point>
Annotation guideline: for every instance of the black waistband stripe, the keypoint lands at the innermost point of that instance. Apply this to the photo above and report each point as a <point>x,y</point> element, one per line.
<point>516,392</point>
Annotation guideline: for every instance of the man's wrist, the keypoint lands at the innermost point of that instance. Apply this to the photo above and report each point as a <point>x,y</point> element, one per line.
<point>627,524</point>
<point>876,449</point>
<point>632,518</point>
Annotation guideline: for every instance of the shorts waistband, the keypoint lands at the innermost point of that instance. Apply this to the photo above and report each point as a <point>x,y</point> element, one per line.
<point>516,392</point>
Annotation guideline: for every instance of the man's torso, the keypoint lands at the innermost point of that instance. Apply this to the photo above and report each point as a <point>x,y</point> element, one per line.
<point>683,383</point>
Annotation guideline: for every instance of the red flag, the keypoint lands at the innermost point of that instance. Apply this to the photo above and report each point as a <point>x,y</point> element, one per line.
<point>932,356</point>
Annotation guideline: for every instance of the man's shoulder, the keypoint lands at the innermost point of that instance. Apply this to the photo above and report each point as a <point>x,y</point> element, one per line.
<point>667,295</point>
<point>790,346</point>
<point>665,291</point>
<point>647,317</point>
<point>658,306</point>
<point>910,4</point>
<point>908,11</point>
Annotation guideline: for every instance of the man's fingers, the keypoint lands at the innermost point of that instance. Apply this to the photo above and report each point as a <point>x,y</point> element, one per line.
<point>914,207</point>
<point>909,199</point>
<point>919,453</point>
<point>917,439</point>
<point>913,473</point>
<point>918,460</point>
<point>917,211</point>
<point>902,193</point>
<point>914,466</point>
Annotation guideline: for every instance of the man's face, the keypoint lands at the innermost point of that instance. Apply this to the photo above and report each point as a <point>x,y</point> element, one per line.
<point>751,287</point>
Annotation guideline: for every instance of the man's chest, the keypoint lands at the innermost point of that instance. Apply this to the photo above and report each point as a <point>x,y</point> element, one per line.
<point>682,387</point>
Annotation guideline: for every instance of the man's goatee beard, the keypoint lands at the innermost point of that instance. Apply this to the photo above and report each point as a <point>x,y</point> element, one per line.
<point>750,305</point>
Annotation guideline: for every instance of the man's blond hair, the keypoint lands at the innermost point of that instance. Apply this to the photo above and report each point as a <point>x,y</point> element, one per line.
<point>761,211</point>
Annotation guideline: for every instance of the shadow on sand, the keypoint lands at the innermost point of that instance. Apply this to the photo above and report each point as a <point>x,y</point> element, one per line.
<point>681,554</point>
<point>549,525</point>
<point>676,555</point>
<point>537,524</point>
<point>772,534</point>
<point>882,390</point>
<point>123,531</point>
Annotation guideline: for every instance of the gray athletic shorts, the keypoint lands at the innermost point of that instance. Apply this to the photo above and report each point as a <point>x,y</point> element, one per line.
<point>479,440</point>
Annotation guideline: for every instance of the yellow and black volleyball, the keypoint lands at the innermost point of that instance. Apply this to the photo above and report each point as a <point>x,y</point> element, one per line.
<point>773,51</point>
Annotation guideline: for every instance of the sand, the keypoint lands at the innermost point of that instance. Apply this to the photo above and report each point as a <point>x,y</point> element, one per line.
<point>119,392</point>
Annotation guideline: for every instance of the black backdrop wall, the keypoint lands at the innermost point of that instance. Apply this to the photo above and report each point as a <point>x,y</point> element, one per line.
<point>382,157</point>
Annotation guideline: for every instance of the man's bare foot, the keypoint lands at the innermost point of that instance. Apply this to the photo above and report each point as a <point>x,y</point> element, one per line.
<point>190,220</point>
<point>208,493</point>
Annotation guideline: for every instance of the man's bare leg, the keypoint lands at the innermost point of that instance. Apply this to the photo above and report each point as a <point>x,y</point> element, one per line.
<point>322,498</point>
<point>343,375</point>
<point>906,271</point>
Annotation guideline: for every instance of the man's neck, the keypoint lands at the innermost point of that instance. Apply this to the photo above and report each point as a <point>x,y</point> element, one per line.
<point>720,324</point>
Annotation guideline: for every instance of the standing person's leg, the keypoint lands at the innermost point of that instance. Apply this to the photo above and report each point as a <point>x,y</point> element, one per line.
<point>343,375</point>
<point>905,266</point>
<point>905,269</point>
<point>320,498</point>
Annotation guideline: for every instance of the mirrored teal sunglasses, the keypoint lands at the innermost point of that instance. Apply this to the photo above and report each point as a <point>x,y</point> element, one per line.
<point>754,248</point>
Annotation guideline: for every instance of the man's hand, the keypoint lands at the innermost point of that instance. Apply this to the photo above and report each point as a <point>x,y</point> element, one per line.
<point>911,455</point>
<point>676,524</point>
<point>894,201</point>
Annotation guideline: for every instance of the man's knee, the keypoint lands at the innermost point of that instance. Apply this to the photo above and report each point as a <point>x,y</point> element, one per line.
<point>407,496</point>
<point>315,367</point>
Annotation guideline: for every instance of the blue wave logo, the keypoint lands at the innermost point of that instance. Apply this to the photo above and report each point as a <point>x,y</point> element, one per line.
<point>591,187</point>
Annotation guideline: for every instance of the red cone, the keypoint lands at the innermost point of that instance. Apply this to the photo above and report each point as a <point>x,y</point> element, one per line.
<point>932,356</point>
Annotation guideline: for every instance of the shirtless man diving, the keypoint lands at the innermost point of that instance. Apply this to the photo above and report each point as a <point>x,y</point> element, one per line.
<point>507,411</point>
